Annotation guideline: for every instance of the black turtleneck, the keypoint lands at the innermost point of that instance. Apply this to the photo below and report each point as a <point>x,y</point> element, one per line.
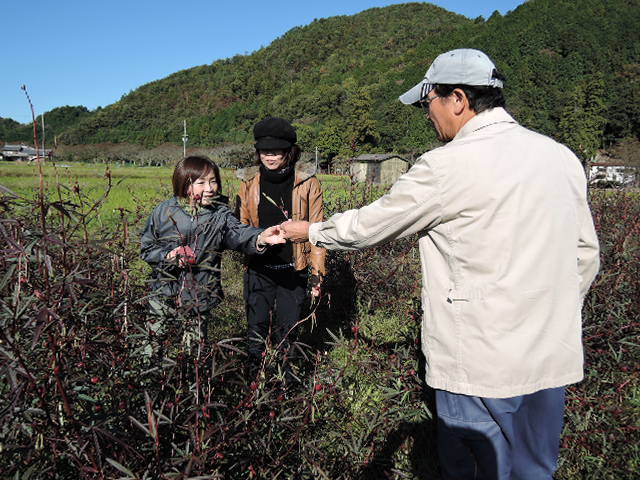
<point>276,192</point>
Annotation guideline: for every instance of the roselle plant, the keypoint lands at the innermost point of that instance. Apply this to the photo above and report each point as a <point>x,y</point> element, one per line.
<point>79,400</point>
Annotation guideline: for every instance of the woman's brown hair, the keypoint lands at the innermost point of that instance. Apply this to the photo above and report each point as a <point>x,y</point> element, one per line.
<point>188,170</point>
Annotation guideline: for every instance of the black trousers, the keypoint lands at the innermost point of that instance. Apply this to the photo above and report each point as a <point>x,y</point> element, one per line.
<point>274,300</point>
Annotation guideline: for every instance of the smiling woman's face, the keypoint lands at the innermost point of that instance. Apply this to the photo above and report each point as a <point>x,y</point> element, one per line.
<point>204,189</point>
<point>272,159</point>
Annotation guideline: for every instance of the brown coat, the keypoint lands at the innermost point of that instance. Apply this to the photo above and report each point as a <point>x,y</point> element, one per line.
<point>306,205</point>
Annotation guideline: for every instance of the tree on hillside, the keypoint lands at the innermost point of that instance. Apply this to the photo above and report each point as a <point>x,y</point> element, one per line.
<point>360,128</point>
<point>331,139</point>
<point>582,120</point>
<point>624,114</point>
<point>403,129</point>
<point>628,151</point>
<point>12,131</point>
<point>306,136</point>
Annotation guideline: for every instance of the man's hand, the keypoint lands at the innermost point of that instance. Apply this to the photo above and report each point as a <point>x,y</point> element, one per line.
<point>272,236</point>
<point>186,255</point>
<point>296,231</point>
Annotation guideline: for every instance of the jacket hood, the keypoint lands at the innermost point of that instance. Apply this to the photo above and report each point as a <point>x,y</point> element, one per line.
<point>304,170</point>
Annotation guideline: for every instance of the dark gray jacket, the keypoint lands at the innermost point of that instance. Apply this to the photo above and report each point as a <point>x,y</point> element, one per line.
<point>208,232</point>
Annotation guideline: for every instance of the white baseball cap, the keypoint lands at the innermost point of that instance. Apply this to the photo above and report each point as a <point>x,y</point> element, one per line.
<point>463,66</point>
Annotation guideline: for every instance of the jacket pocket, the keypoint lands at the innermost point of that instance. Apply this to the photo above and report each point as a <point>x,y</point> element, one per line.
<point>465,294</point>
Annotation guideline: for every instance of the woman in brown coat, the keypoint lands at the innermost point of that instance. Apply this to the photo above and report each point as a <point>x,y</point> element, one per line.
<point>276,189</point>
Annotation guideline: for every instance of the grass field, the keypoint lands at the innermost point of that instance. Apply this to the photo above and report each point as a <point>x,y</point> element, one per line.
<point>140,188</point>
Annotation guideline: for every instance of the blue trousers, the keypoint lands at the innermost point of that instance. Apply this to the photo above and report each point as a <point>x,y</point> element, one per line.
<point>515,438</point>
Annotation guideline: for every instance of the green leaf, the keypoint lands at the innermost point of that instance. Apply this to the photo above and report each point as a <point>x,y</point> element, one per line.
<point>8,191</point>
<point>82,396</point>
<point>121,467</point>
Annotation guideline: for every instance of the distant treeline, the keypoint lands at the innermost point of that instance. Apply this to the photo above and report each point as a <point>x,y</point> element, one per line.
<point>572,68</point>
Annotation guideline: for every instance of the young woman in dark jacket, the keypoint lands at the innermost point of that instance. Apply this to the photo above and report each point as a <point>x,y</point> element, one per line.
<point>276,189</point>
<point>184,238</point>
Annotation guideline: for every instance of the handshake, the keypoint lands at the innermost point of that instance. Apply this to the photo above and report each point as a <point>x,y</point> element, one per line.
<point>294,231</point>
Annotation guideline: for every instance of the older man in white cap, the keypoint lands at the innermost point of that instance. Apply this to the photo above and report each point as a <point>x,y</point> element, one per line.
<point>508,252</point>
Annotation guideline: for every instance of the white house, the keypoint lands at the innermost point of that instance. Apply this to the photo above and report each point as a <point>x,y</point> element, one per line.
<point>612,175</point>
<point>14,153</point>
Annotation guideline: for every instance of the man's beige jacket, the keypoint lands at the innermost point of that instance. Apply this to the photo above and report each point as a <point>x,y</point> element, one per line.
<point>508,251</point>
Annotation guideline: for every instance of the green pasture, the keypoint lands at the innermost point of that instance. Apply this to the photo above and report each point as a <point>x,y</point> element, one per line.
<point>130,187</point>
<point>138,189</point>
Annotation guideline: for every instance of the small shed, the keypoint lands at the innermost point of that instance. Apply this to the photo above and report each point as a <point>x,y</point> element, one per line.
<point>384,168</point>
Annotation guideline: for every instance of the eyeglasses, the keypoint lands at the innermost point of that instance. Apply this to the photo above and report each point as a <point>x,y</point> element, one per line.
<point>425,103</point>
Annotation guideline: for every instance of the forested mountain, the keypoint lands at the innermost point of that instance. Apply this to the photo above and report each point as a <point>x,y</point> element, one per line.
<point>572,68</point>
<point>323,76</point>
<point>57,121</point>
<point>10,130</point>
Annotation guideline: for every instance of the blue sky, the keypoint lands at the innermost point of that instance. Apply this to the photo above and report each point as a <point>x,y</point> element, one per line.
<point>92,52</point>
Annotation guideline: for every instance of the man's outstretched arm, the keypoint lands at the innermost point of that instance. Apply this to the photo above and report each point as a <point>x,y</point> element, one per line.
<point>296,231</point>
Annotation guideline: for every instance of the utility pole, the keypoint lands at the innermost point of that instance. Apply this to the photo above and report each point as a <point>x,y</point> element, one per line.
<point>185,138</point>
<point>43,135</point>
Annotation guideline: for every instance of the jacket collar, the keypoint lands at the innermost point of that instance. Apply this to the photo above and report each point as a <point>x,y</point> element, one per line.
<point>484,119</point>
<point>304,171</point>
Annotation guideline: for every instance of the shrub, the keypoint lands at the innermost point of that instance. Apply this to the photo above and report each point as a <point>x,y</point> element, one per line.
<point>601,435</point>
<point>78,400</point>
